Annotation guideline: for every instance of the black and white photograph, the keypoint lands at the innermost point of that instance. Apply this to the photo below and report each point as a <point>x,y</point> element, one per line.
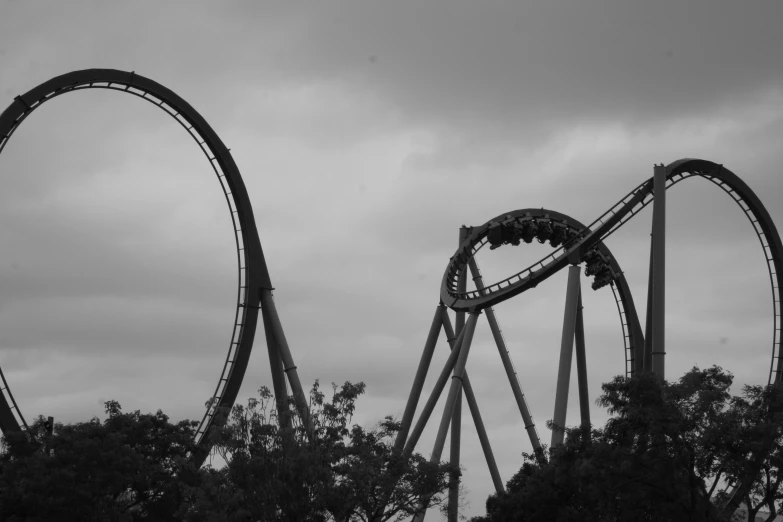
<point>391,261</point>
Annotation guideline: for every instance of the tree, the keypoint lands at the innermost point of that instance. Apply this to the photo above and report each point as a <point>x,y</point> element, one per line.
<point>129,467</point>
<point>653,460</point>
<point>337,474</point>
<point>747,421</point>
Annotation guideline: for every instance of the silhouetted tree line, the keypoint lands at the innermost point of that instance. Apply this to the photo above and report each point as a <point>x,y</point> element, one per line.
<point>662,457</point>
<point>669,453</point>
<point>134,466</point>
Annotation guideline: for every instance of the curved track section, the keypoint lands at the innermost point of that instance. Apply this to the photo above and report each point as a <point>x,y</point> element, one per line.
<point>554,227</point>
<point>576,249</point>
<point>251,265</point>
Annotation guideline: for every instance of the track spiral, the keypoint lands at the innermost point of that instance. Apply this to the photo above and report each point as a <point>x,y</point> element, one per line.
<point>251,265</point>
<point>577,246</point>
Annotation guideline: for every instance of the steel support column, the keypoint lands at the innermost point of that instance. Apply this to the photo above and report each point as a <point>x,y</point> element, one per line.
<point>454,391</point>
<point>278,375</point>
<point>410,444</point>
<point>477,421</point>
<point>456,434</point>
<point>462,283</point>
<point>648,329</point>
<point>418,384</point>
<point>516,389</point>
<point>272,322</point>
<point>638,339</point>
<point>456,387</point>
<point>421,375</point>
<point>581,367</point>
<point>456,418</point>
<point>659,271</point>
<point>566,355</point>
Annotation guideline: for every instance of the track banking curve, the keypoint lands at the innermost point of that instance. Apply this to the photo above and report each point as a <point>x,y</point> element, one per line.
<point>633,335</point>
<point>576,248</point>
<point>252,270</point>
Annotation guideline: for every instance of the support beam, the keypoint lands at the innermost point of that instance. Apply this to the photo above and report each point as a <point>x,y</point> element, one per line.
<point>566,354</point>
<point>478,422</point>
<point>581,367</point>
<point>278,375</point>
<point>421,375</point>
<point>272,322</point>
<point>659,271</point>
<point>456,419</point>
<point>482,435</point>
<point>516,389</point>
<point>416,388</point>
<point>454,391</point>
<point>410,445</point>
<point>462,283</point>
<point>455,345</point>
<point>456,386</point>
<point>456,434</point>
<point>7,417</point>
<point>638,340</point>
<point>648,330</point>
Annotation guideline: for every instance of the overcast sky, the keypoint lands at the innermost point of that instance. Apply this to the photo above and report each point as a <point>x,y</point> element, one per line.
<point>366,134</point>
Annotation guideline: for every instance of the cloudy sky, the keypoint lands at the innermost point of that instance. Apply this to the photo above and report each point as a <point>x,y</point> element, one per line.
<point>367,133</point>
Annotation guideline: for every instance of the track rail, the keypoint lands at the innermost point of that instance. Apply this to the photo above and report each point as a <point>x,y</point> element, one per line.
<point>251,265</point>
<point>633,338</point>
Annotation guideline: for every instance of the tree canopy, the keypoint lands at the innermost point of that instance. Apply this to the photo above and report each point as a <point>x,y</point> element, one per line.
<point>134,466</point>
<point>332,473</point>
<point>671,451</point>
<point>130,466</point>
<point>661,457</point>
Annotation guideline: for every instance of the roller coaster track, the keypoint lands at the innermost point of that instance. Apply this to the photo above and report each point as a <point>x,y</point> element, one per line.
<point>582,244</point>
<point>633,336</point>
<point>251,265</point>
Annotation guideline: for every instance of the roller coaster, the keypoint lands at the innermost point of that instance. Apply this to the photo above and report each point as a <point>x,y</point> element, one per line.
<point>574,244</point>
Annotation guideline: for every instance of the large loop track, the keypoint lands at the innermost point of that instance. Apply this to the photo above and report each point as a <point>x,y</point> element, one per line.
<point>251,265</point>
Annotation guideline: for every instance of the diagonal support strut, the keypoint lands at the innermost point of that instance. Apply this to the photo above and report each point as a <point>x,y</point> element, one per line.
<point>566,355</point>
<point>516,389</point>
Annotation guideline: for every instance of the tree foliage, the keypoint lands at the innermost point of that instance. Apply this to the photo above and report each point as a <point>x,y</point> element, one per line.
<point>129,467</point>
<point>746,422</point>
<point>661,457</point>
<point>135,466</point>
<point>337,473</point>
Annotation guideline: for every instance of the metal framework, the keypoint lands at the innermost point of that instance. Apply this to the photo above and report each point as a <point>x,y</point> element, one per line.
<point>576,244</point>
<point>601,263</point>
<point>254,290</point>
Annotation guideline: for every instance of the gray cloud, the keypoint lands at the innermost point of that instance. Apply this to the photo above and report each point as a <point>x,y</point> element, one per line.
<point>501,68</point>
